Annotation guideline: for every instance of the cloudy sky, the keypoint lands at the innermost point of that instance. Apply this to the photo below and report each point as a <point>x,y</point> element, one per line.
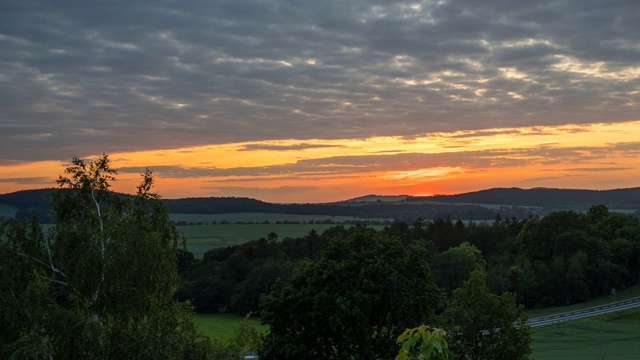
<point>310,101</point>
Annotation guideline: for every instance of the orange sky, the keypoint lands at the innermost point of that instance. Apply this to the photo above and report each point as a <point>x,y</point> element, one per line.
<point>594,156</point>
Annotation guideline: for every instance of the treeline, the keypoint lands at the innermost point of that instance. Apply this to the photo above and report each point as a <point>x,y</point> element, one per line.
<point>563,258</point>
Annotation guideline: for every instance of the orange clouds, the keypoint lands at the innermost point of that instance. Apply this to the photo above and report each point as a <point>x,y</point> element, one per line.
<point>594,156</point>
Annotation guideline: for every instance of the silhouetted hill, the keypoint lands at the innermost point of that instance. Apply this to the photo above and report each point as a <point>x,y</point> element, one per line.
<point>547,198</point>
<point>37,199</point>
<point>219,205</point>
<point>477,205</point>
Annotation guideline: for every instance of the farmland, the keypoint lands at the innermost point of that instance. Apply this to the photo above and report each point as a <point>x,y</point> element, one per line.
<point>234,218</point>
<point>235,229</point>
<point>611,336</point>
<point>608,336</point>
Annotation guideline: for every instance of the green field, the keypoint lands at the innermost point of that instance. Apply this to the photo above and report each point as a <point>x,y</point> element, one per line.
<point>260,218</point>
<point>219,325</point>
<point>202,238</point>
<point>613,336</point>
<point>610,336</point>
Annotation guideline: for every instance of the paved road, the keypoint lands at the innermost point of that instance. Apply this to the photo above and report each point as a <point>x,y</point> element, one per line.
<point>578,314</point>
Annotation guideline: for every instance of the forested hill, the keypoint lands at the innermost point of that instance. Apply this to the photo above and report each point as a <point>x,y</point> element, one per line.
<point>547,198</point>
<point>36,199</point>
<point>478,205</point>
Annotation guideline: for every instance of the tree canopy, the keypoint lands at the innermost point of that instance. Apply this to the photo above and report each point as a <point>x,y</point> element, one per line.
<point>100,284</point>
<point>486,326</point>
<point>352,302</point>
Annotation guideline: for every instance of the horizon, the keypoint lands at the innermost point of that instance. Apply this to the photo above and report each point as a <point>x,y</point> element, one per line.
<point>592,156</point>
<point>307,102</point>
<point>359,196</point>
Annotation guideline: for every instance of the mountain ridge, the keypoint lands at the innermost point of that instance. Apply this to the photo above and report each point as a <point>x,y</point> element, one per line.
<point>483,204</point>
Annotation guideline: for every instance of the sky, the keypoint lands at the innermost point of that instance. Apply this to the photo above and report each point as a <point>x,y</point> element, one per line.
<point>317,101</point>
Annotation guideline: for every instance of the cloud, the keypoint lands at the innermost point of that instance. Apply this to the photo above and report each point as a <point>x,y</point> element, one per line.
<point>258,191</point>
<point>82,78</point>
<point>599,169</point>
<point>407,163</point>
<point>292,147</point>
<point>28,180</point>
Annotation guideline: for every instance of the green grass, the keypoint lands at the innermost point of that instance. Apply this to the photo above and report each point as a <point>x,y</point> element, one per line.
<point>609,336</point>
<point>260,218</point>
<point>202,238</point>
<point>219,325</point>
<point>588,339</point>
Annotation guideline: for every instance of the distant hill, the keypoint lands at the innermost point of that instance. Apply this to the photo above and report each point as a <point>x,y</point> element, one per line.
<point>477,205</point>
<point>548,198</point>
<point>377,198</point>
<point>24,199</point>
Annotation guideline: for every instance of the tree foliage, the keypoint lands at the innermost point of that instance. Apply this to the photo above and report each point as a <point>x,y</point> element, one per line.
<point>101,284</point>
<point>352,302</point>
<point>452,267</point>
<point>423,343</point>
<point>486,326</point>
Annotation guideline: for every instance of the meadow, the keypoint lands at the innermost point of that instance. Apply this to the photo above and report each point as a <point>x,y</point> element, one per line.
<point>260,218</point>
<point>610,336</point>
<point>223,325</point>
<point>202,238</point>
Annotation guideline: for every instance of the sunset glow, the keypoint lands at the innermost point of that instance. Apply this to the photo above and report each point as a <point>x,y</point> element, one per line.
<point>594,156</point>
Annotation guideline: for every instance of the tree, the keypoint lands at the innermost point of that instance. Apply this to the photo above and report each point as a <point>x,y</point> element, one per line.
<point>486,326</point>
<point>350,303</point>
<point>102,282</point>
<point>423,343</point>
<point>452,267</point>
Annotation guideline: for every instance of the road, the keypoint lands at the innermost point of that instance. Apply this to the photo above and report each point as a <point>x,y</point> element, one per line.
<point>579,314</point>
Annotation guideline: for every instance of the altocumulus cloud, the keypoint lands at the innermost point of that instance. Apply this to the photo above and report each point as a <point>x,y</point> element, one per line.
<point>82,77</point>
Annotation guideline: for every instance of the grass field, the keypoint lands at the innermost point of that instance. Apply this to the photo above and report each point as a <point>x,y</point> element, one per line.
<point>609,336</point>
<point>219,325</point>
<point>612,336</point>
<point>260,218</point>
<point>202,238</point>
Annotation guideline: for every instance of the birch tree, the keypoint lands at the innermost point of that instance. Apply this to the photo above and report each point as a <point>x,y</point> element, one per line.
<point>106,273</point>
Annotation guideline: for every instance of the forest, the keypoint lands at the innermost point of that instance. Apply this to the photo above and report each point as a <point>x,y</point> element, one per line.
<point>563,258</point>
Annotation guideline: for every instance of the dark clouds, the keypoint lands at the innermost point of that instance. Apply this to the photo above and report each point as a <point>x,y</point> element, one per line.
<point>80,77</point>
